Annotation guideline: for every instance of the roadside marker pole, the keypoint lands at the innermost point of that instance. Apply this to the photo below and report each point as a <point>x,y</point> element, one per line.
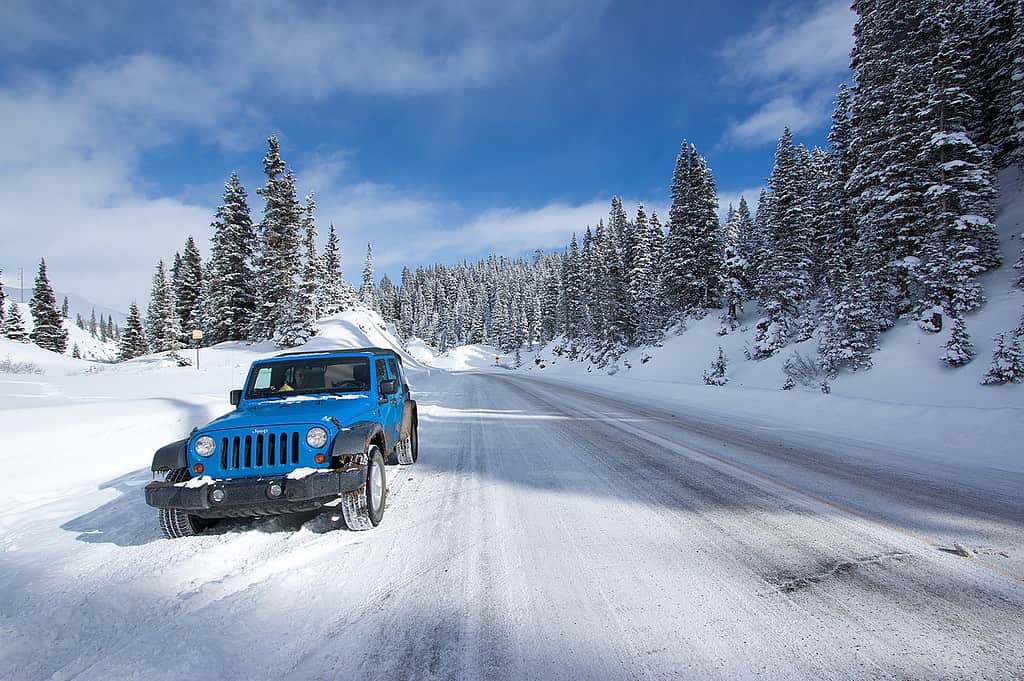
<point>197,336</point>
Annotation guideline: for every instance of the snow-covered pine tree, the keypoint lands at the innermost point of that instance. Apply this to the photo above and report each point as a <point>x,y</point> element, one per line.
<point>785,266</point>
<point>851,330</point>
<point>1015,147</point>
<point>133,339</point>
<point>48,330</point>
<point>718,373</point>
<point>736,289</point>
<point>960,199</point>
<point>312,266</point>
<point>573,277</point>
<point>389,298</point>
<point>14,325</point>
<point>337,295</point>
<point>959,349</point>
<point>693,260</point>
<point>993,49</point>
<point>64,308</point>
<point>93,325</point>
<point>278,261</point>
<point>3,296</point>
<point>893,46</point>
<point>188,289</point>
<point>839,239</point>
<point>367,290</point>
<point>162,325</point>
<point>1007,361</point>
<point>76,352</point>
<point>229,292</point>
<point>644,288</point>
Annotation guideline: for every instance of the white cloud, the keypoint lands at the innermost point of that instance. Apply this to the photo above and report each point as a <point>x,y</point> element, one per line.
<point>802,50</point>
<point>766,124</point>
<point>793,63</point>
<point>69,179</point>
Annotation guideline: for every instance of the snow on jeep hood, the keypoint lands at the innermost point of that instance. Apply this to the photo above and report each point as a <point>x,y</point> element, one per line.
<point>299,409</point>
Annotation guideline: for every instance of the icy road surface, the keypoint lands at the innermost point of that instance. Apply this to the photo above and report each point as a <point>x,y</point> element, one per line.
<point>546,533</point>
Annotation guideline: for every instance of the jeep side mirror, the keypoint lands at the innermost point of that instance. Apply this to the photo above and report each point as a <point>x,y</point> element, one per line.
<point>235,397</point>
<point>389,387</point>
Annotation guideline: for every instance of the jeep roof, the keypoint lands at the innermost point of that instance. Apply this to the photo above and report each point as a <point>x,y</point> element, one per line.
<point>342,351</point>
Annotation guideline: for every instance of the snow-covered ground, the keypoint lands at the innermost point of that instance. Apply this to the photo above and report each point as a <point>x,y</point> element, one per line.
<point>544,533</point>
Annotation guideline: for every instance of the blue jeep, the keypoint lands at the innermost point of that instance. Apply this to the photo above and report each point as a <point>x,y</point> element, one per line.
<point>310,429</point>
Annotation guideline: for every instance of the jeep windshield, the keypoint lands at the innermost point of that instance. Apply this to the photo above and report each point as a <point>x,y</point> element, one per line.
<point>285,379</point>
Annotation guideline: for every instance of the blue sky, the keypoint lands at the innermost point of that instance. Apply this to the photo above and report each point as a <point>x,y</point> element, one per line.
<point>438,131</point>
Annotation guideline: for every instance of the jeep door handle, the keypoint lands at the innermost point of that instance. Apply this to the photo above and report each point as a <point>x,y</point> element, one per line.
<point>394,401</point>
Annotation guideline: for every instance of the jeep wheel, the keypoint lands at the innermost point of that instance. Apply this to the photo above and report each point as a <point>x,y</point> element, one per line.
<point>406,450</point>
<point>363,508</point>
<point>174,522</point>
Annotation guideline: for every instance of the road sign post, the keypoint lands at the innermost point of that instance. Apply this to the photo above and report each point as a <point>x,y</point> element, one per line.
<point>197,336</point>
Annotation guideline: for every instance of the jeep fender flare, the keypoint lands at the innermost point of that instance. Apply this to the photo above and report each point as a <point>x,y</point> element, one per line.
<point>356,438</point>
<point>170,457</point>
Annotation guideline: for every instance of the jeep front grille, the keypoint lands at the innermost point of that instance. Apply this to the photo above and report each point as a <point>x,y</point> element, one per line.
<point>269,450</point>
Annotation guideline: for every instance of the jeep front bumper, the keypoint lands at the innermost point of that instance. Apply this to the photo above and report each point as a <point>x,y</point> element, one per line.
<point>255,496</point>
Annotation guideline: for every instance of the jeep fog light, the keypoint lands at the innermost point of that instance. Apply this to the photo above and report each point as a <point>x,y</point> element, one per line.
<point>316,437</point>
<point>274,490</point>
<point>217,495</point>
<point>205,446</point>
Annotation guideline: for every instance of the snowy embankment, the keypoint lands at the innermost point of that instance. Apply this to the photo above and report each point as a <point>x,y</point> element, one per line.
<point>909,400</point>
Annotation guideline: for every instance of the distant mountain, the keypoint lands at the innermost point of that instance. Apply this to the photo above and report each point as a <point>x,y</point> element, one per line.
<point>76,304</point>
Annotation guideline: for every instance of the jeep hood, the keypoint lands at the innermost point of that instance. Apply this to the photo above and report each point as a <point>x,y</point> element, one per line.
<point>346,409</point>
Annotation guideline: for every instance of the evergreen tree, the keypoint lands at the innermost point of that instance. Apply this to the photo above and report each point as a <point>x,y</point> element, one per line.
<point>92,323</point>
<point>76,352</point>
<point>48,330</point>
<point>278,262</point>
<point>1007,361</point>
<point>959,350</point>
<point>851,331</point>
<point>993,47</point>
<point>960,199</point>
<point>188,289</point>
<point>312,272</point>
<point>3,295</point>
<point>718,373</point>
<point>337,295</point>
<point>14,325</point>
<point>893,45</point>
<point>694,249</point>
<point>164,330</point>
<point>63,308</point>
<point>367,292</point>
<point>644,278</point>
<point>133,340</point>
<point>229,298</point>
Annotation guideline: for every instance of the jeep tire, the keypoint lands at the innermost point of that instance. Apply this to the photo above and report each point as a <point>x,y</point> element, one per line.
<point>407,450</point>
<point>174,522</point>
<point>363,508</point>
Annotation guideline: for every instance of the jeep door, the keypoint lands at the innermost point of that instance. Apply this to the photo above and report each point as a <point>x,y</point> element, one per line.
<point>390,405</point>
<point>404,419</point>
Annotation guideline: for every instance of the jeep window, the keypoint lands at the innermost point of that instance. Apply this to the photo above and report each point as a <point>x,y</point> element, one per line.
<point>382,374</point>
<point>396,371</point>
<point>309,376</point>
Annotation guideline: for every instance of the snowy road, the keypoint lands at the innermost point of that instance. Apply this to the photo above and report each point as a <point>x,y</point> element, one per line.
<point>546,532</point>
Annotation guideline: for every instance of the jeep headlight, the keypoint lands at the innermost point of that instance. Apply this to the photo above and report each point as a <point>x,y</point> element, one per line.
<point>316,437</point>
<point>205,446</point>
